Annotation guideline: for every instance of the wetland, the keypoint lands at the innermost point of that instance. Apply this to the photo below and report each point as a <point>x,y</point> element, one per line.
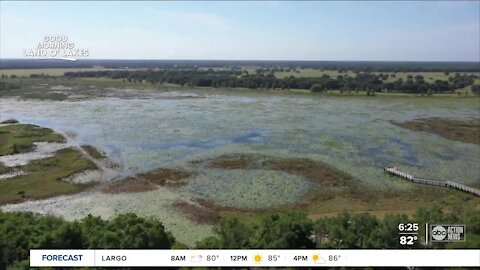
<point>192,156</point>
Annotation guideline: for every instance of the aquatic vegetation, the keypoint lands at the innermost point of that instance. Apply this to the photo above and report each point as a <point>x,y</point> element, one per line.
<point>148,181</point>
<point>251,189</point>
<point>129,185</point>
<point>166,177</point>
<point>355,135</point>
<point>143,132</point>
<point>315,171</point>
<point>232,162</point>
<point>463,130</point>
<point>197,213</point>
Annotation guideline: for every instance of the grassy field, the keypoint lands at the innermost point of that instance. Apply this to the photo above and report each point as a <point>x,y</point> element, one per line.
<point>44,177</point>
<point>46,71</point>
<point>39,88</point>
<point>4,169</point>
<point>428,76</point>
<point>305,72</point>
<point>26,82</point>
<point>20,138</point>
<point>93,152</point>
<point>460,93</point>
<point>308,72</point>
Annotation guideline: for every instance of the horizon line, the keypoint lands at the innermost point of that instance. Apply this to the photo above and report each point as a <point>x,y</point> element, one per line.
<point>245,60</point>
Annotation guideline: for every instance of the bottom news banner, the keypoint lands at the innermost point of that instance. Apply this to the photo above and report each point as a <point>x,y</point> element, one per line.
<point>254,258</point>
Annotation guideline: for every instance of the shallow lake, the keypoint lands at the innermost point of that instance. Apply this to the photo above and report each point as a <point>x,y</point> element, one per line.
<point>353,134</point>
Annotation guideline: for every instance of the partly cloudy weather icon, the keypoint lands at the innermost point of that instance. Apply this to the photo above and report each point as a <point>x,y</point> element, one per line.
<point>317,259</point>
<point>195,258</point>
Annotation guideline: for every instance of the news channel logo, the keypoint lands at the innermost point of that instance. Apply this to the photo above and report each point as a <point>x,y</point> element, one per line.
<point>447,232</point>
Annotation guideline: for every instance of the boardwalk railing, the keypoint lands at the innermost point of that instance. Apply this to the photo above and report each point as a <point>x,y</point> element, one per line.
<point>449,184</point>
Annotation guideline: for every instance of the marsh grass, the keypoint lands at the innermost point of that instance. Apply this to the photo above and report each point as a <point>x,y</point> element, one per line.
<point>256,182</point>
<point>463,130</point>
<point>148,181</point>
<point>4,169</point>
<point>129,185</point>
<point>166,177</point>
<point>19,138</point>
<point>335,191</point>
<point>44,177</point>
<point>93,152</point>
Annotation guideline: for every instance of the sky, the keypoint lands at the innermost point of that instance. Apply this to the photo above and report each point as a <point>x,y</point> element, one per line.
<point>271,30</point>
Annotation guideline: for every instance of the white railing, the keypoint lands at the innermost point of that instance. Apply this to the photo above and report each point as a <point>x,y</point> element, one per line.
<point>449,184</point>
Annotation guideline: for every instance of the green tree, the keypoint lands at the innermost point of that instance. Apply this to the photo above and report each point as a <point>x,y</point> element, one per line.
<point>476,89</point>
<point>321,232</point>
<point>231,233</point>
<point>234,234</point>
<point>386,235</point>
<point>131,231</point>
<point>317,88</point>
<point>286,230</point>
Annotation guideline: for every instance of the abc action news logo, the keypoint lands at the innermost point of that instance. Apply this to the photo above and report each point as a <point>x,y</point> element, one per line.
<point>447,233</point>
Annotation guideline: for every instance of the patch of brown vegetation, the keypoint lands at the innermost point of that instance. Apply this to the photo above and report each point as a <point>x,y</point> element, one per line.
<point>215,207</point>
<point>197,213</point>
<point>313,170</point>
<point>231,162</point>
<point>148,181</point>
<point>339,191</point>
<point>46,96</point>
<point>166,177</point>
<point>466,130</point>
<point>129,185</point>
<point>220,210</point>
<point>310,169</point>
<point>377,213</point>
<point>334,182</point>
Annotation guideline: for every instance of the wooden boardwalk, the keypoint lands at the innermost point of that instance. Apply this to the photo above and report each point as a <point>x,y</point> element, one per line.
<point>448,184</point>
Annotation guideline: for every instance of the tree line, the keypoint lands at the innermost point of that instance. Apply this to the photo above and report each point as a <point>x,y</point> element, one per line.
<point>265,79</point>
<point>295,230</point>
<point>377,66</point>
<point>20,232</point>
